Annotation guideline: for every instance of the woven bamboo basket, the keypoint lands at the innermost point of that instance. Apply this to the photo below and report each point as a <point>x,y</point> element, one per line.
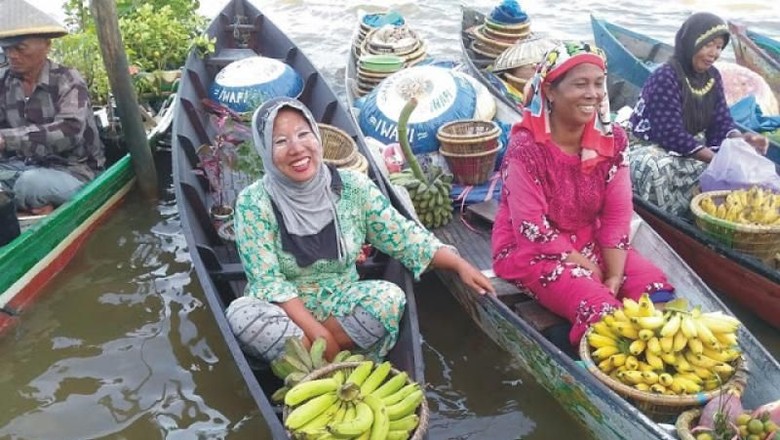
<point>518,83</point>
<point>659,407</point>
<point>761,241</point>
<point>338,148</point>
<point>467,136</point>
<point>500,45</point>
<point>487,52</point>
<point>422,411</point>
<point>360,165</point>
<point>516,28</point>
<point>687,421</point>
<point>471,168</point>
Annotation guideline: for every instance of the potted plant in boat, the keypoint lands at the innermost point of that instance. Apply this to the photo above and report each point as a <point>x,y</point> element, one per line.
<point>221,154</point>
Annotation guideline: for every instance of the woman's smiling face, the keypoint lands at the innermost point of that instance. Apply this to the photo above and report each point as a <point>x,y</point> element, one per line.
<point>577,95</point>
<point>296,151</point>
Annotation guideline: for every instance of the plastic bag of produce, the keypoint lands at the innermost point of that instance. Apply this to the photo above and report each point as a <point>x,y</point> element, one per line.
<point>738,165</point>
<point>245,84</point>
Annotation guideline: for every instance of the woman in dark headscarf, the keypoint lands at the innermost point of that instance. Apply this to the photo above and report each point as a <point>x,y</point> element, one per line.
<point>300,230</point>
<point>683,110</point>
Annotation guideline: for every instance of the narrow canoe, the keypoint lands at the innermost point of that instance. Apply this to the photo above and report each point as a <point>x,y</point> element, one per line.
<point>744,279</point>
<point>631,58</point>
<point>758,53</point>
<point>527,331</point>
<point>48,244</point>
<point>215,259</point>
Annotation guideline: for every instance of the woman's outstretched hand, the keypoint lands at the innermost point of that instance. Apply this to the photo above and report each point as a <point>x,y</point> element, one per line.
<point>475,279</point>
<point>446,258</point>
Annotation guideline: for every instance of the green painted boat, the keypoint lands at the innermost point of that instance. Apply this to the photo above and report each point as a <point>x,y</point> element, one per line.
<point>48,243</point>
<point>537,339</point>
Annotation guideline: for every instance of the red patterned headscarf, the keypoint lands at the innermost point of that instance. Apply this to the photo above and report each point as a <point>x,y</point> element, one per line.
<point>598,144</point>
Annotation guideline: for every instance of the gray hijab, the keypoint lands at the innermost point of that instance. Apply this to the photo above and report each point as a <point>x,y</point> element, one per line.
<point>306,207</point>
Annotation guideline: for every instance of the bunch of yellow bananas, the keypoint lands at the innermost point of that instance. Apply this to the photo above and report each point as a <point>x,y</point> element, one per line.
<point>366,404</point>
<point>754,206</point>
<point>677,351</point>
<point>296,362</point>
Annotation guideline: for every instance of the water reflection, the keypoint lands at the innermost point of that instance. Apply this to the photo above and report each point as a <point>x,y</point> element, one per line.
<point>114,346</point>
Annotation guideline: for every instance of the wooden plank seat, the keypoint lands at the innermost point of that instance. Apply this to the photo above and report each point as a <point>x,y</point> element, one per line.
<point>553,327</point>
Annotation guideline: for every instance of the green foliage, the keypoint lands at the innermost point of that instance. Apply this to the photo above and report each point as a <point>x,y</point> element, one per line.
<point>82,52</point>
<point>157,34</point>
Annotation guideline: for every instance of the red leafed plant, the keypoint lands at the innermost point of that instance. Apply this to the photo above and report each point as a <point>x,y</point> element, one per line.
<point>231,134</point>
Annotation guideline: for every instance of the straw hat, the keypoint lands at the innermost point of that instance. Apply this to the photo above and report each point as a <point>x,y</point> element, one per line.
<point>20,20</point>
<point>524,52</point>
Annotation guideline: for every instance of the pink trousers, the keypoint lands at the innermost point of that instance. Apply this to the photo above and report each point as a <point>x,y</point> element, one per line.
<point>569,291</point>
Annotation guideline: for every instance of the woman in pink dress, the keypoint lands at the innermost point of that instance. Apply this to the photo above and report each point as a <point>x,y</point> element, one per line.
<point>562,227</point>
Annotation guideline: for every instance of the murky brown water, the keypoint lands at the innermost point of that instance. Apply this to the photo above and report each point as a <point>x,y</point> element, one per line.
<point>121,345</point>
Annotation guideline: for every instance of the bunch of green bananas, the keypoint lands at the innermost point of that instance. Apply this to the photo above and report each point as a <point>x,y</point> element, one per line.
<point>296,362</point>
<point>754,206</point>
<point>675,351</point>
<point>431,200</point>
<point>367,403</point>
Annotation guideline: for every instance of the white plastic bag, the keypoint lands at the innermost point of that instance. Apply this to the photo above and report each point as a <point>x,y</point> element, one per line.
<point>738,165</point>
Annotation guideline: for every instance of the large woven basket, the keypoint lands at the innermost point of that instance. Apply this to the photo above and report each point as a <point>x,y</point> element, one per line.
<point>422,411</point>
<point>468,136</point>
<point>659,407</point>
<point>471,168</point>
<point>686,422</point>
<point>338,148</point>
<point>761,241</point>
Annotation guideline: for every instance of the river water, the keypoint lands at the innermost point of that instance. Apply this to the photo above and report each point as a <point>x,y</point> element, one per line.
<point>121,345</point>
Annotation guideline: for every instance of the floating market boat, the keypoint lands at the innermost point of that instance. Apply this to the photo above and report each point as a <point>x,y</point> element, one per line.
<point>243,31</point>
<point>632,57</point>
<point>744,279</point>
<point>758,53</point>
<point>538,338</point>
<point>49,242</point>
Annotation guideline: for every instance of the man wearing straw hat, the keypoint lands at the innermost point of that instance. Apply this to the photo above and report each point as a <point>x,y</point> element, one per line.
<point>49,143</point>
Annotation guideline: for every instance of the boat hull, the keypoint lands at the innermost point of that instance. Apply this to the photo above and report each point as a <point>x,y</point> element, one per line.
<point>758,53</point>
<point>214,258</point>
<point>34,258</point>
<point>725,270</point>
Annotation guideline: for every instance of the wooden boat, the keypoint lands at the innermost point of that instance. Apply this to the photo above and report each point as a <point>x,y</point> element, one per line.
<point>631,57</point>
<point>215,259</point>
<point>758,53</point>
<point>48,242</point>
<point>538,339</point>
<point>744,279</point>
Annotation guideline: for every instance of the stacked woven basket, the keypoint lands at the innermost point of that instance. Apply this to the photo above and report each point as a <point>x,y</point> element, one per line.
<point>384,51</point>
<point>370,22</point>
<point>470,147</point>
<point>518,63</point>
<point>492,38</point>
<point>340,150</point>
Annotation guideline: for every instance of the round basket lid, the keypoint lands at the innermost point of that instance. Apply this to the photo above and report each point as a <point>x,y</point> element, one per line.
<point>245,84</point>
<point>393,39</point>
<point>442,96</point>
<point>486,104</point>
<point>524,52</point>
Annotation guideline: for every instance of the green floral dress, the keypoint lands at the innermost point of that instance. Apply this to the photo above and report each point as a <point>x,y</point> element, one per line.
<point>330,287</point>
